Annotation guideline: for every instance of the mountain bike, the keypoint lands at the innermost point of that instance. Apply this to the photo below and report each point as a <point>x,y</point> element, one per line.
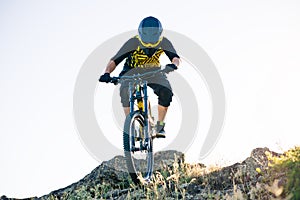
<point>139,127</point>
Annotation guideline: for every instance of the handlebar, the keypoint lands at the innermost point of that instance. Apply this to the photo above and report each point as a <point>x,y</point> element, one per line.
<point>117,79</point>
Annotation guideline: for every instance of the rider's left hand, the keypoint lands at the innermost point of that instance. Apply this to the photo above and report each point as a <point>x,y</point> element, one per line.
<point>170,67</point>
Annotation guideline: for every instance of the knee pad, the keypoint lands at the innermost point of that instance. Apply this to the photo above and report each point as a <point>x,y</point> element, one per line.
<point>165,97</point>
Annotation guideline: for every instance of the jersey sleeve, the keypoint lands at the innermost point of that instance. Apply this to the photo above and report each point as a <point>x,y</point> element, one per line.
<point>125,50</point>
<point>169,50</point>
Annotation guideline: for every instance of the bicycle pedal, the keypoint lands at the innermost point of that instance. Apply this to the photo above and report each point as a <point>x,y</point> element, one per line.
<point>160,135</point>
<point>157,135</point>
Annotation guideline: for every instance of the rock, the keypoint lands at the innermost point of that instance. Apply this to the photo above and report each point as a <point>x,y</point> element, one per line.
<point>167,158</point>
<point>6,198</point>
<point>259,155</point>
<point>110,180</point>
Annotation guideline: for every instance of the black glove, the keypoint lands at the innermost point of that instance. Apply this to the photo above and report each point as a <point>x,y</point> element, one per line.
<point>169,68</point>
<point>105,78</point>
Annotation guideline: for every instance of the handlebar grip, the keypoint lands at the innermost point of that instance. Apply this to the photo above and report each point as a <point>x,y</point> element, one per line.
<point>114,80</point>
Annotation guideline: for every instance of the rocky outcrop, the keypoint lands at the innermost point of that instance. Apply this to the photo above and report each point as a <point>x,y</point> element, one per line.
<point>111,180</point>
<point>113,173</point>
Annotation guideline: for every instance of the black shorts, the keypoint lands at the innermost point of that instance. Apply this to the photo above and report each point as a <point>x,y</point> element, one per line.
<point>160,85</point>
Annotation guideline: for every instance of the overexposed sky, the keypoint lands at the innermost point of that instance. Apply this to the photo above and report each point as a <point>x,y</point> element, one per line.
<point>254,44</point>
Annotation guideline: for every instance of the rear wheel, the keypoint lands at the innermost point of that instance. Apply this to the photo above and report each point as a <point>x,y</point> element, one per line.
<point>138,148</point>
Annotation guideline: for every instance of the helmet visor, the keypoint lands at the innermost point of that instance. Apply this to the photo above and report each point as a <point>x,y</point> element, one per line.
<point>150,35</point>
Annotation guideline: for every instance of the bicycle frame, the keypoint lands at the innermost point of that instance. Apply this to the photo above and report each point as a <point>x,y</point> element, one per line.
<point>138,92</point>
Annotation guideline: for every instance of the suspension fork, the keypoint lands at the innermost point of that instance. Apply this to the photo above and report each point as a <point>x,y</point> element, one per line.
<point>145,99</point>
<point>146,108</point>
<point>131,97</point>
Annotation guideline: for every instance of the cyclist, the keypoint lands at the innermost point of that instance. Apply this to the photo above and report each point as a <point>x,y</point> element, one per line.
<point>142,53</point>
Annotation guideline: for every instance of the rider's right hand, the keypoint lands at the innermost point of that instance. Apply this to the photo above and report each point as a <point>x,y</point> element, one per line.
<point>105,78</point>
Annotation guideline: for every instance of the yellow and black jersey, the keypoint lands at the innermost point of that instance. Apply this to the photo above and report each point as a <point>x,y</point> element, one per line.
<point>139,56</point>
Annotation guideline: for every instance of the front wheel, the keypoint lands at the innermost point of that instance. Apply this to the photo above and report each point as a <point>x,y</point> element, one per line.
<point>138,148</point>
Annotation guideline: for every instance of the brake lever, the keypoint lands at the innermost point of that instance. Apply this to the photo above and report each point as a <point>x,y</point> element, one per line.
<point>115,80</point>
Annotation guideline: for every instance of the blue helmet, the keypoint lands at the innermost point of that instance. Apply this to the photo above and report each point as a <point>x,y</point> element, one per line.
<point>150,30</point>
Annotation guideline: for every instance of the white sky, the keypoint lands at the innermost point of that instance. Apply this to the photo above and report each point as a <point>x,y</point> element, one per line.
<point>254,44</point>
